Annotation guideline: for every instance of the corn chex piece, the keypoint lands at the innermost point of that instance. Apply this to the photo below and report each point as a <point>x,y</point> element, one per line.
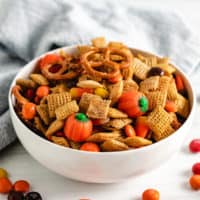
<point>164,64</point>
<point>54,127</point>
<point>116,45</point>
<point>151,61</point>
<point>183,106</point>
<point>74,145</point>
<point>159,120</point>
<point>136,141</point>
<point>27,83</point>
<point>130,85</point>
<point>113,145</point>
<point>56,100</point>
<point>85,100</point>
<point>99,42</point>
<point>149,84</point>
<point>60,141</point>
<point>115,113</point>
<point>167,132</point>
<point>156,98</point>
<point>115,91</point>
<point>172,93</point>
<point>59,88</point>
<point>117,124</point>
<point>98,109</point>
<point>116,58</point>
<point>103,136</point>
<point>42,110</point>
<point>84,49</point>
<point>164,82</point>
<point>67,109</point>
<point>140,69</point>
<point>39,79</point>
<point>39,125</point>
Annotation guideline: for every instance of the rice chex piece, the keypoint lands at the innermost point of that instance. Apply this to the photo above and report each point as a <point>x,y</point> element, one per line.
<point>60,141</point>
<point>183,106</point>
<point>149,84</point>
<point>67,109</point>
<point>140,69</point>
<point>130,85</point>
<point>43,112</point>
<point>167,132</point>
<point>158,121</point>
<point>39,79</point>
<point>56,100</point>
<point>172,93</point>
<point>156,98</point>
<point>99,42</point>
<point>85,100</point>
<point>117,124</point>
<point>98,109</point>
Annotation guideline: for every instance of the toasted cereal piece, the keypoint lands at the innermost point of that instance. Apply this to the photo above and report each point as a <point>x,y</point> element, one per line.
<point>59,88</point>
<point>113,145</point>
<point>130,85</point>
<point>116,57</point>
<point>156,98</point>
<point>67,109</point>
<point>98,109</point>
<point>149,84</point>
<point>140,69</point>
<point>74,145</point>
<point>103,136</point>
<point>115,91</point>
<point>164,64</point>
<point>27,83</point>
<point>115,113</point>
<point>165,133</point>
<point>43,100</point>
<point>54,127</point>
<point>99,42</point>
<point>39,125</point>
<point>172,93</point>
<point>159,120</point>
<point>60,141</point>
<point>117,124</point>
<point>39,79</point>
<point>84,49</point>
<point>43,112</point>
<point>85,100</point>
<point>136,141</point>
<point>183,107</point>
<point>116,45</point>
<point>151,61</point>
<point>164,82</point>
<point>56,100</point>
<point>127,73</point>
<point>89,84</point>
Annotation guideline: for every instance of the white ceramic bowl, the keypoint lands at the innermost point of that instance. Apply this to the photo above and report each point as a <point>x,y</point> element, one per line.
<point>104,167</point>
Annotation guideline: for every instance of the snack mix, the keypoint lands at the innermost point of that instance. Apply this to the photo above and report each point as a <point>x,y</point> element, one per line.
<point>105,97</point>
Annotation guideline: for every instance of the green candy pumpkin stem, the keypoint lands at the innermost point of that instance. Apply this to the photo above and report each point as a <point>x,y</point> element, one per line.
<point>143,103</point>
<point>81,117</point>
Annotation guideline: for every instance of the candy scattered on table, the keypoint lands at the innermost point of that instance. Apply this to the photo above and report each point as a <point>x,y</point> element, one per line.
<point>5,185</point>
<point>195,182</point>
<point>195,146</point>
<point>3,173</point>
<point>150,194</point>
<point>196,168</point>
<point>21,186</point>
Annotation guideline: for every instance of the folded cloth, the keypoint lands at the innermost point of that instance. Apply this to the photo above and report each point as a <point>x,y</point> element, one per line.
<point>29,28</point>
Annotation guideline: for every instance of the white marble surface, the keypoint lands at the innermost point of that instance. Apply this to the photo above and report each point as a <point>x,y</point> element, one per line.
<point>171,179</point>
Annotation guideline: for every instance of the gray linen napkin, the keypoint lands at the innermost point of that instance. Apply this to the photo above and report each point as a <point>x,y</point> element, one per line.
<point>29,28</point>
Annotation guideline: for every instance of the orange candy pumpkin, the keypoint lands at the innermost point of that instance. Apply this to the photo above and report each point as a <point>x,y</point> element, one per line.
<point>133,103</point>
<point>78,127</point>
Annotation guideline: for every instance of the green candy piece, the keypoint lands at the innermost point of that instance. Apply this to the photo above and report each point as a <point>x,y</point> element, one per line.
<point>81,117</point>
<point>143,103</point>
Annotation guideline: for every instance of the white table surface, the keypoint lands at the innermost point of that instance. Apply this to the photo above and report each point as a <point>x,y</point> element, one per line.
<point>171,179</point>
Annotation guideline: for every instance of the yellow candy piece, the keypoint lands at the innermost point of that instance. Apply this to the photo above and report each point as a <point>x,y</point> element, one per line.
<point>3,173</point>
<point>102,92</point>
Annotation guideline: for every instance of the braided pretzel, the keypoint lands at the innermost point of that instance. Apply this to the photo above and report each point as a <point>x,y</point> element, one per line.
<point>126,53</point>
<point>90,66</point>
<point>16,92</point>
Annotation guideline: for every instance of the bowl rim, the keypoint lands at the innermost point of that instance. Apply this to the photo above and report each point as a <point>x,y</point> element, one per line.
<point>136,150</point>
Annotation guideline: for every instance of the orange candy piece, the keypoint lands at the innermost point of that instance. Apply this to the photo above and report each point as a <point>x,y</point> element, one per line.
<point>129,131</point>
<point>29,111</point>
<point>21,186</point>
<point>170,106</point>
<point>141,127</point>
<point>5,185</point>
<point>150,194</point>
<point>195,182</point>
<point>90,146</point>
<point>49,59</point>
<point>77,92</point>
<point>116,79</point>
<point>179,82</point>
<point>42,91</point>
